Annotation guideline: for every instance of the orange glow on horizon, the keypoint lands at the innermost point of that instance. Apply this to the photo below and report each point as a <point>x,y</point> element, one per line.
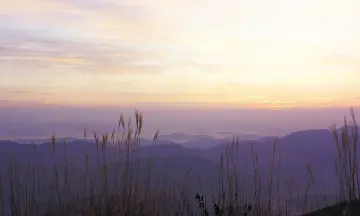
<point>231,53</point>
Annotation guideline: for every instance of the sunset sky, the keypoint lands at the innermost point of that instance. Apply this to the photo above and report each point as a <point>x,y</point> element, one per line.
<point>245,53</point>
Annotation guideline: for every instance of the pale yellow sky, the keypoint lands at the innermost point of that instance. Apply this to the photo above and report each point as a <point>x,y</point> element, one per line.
<point>245,53</point>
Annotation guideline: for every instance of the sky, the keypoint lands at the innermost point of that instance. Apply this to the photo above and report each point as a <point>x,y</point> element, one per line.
<point>197,54</point>
<point>247,53</point>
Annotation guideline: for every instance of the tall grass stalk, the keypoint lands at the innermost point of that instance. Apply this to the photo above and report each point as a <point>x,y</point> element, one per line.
<point>112,180</point>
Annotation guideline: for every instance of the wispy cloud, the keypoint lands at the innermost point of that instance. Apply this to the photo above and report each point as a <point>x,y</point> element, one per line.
<point>19,47</point>
<point>231,51</point>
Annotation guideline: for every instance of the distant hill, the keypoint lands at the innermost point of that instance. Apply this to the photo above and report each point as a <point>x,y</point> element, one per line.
<point>316,147</point>
<point>183,137</point>
<point>43,140</point>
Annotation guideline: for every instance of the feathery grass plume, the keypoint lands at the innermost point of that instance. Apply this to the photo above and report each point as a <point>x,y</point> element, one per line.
<point>279,180</point>
<point>270,180</point>
<point>120,186</point>
<point>53,140</point>
<point>113,137</point>
<point>310,182</point>
<point>122,121</point>
<point>104,141</point>
<point>346,163</point>
<point>34,146</point>
<point>85,133</point>
<point>339,164</point>
<point>56,171</point>
<point>66,171</point>
<point>156,135</point>
<point>137,120</point>
<point>355,162</point>
<point>257,177</point>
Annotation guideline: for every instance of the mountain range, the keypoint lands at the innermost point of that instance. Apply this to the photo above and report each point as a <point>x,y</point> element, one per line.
<point>199,158</point>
